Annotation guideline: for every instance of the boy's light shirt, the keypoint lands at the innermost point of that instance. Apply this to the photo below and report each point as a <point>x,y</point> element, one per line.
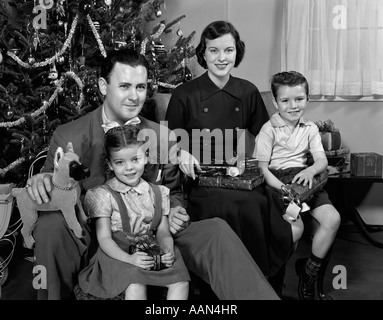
<point>284,148</point>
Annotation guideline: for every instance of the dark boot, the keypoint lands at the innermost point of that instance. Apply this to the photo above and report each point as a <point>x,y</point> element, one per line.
<point>306,285</point>
<point>276,281</point>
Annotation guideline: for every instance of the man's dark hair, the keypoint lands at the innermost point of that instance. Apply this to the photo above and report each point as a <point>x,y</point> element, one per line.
<point>125,56</point>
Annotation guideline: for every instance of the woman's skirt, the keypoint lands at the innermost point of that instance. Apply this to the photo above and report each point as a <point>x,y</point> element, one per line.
<point>250,216</point>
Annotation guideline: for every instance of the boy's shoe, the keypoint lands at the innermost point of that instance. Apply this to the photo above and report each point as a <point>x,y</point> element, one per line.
<point>306,285</point>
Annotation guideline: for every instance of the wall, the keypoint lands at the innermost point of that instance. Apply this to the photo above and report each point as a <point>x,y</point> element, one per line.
<point>259,23</point>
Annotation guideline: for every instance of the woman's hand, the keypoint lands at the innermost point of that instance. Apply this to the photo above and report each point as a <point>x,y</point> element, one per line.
<point>187,162</point>
<point>168,258</point>
<point>38,187</point>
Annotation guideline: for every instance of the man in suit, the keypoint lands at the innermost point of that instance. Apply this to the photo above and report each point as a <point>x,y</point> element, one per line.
<point>211,250</point>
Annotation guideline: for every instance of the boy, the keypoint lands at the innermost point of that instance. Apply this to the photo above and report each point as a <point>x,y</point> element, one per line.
<point>281,148</point>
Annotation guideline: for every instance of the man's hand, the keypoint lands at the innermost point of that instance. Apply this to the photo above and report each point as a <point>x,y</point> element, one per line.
<point>178,219</point>
<point>38,187</point>
<point>187,162</point>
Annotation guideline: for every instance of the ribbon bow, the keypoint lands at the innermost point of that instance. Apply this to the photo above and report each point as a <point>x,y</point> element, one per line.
<point>294,205</point>
<point>111,124</point>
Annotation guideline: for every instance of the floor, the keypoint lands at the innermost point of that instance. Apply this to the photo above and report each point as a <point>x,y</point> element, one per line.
<point>362,262</point>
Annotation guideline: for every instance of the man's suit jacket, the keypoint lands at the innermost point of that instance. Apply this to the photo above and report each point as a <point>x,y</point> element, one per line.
<point>87,137</point>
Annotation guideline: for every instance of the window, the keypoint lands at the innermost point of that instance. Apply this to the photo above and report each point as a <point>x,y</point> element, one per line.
<point>337,45</point>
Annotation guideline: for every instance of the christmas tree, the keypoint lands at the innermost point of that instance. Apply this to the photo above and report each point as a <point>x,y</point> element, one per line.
<point>50,54</point>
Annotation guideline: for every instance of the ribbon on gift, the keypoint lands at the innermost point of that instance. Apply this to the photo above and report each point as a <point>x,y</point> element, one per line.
<point>294,205</point>
<point>326,126</point>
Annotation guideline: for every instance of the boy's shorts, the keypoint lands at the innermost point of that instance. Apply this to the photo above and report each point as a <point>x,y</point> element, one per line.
<point>318,199</point>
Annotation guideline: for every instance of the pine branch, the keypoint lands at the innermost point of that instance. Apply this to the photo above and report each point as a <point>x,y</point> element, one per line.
<point>173,22</point>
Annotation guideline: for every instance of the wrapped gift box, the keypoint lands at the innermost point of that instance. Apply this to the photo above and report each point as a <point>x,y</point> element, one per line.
<point>342,152</point>
<point>331,140</point>
<point>366,164</point>
<point>303,192</point>
<point>246,181</point>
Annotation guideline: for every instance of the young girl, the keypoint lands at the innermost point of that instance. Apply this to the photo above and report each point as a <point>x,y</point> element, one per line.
<point>127,209</point>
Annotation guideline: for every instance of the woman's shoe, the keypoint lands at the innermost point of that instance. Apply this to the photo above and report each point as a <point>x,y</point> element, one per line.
<point>306,285</point>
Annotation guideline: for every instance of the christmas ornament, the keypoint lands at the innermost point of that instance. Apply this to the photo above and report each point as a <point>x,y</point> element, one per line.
<point>158,13</point>
<point>1,57</point>
<point>53,74</point>
<point>9,113</point>
<point>15,51</point>
<point>81,60</point>
<point>96,25</point>
<point>180,33</point>
<point>119,44</point>
<point>187,75</point>
<point>108,2</point>
<point>30,157</point>
<point>31,59</point>
<point>159,48</point>
<point>85,8</point>
<point>60,60</point>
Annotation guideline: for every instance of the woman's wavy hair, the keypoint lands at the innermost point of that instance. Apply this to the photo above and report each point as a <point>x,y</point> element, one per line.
<point>215,30</point>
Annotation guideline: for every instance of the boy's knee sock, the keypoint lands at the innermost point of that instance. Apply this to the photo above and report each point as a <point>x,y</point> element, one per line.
<point>312,267</point>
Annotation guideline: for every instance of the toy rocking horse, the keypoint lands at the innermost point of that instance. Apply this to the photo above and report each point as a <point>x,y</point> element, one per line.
<point>64,195</point>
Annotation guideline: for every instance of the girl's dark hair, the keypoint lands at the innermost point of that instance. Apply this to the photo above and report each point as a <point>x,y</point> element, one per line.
<point>288,78</point>
<point>121,137</point>
<point>124,56</point>
<point>215,30</point>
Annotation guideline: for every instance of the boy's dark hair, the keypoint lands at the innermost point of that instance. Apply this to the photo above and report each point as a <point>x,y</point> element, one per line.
<point>125,56</point>
<point>215,30</point>
<point>121,137</point>
<point>288,78</point>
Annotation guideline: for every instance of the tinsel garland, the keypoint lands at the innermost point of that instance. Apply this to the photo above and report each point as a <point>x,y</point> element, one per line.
<point>168,85</point>
<point>52,59</point>
<point>13,165</point>
<point>96,35</point>
<point>45,106</point>
<point>156,35</point>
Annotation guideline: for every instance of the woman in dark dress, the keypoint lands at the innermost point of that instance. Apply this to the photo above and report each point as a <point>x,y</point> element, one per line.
<point>217,100</point>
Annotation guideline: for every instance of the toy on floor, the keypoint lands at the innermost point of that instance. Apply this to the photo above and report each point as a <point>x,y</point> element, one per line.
<point>64,196</point>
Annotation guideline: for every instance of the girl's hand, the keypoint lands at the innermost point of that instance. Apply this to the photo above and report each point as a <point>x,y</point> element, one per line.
<point>168,258</point>
<point>142,260</point>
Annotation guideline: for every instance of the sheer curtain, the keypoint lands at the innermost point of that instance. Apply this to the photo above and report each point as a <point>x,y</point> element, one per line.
<point>336,44</point>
